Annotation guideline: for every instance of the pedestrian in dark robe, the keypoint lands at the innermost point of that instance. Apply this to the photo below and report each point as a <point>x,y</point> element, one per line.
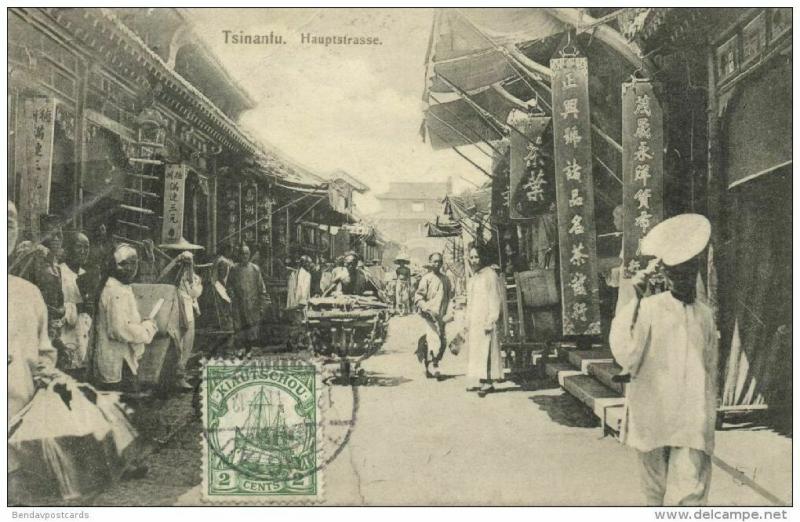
<point>248,298</point>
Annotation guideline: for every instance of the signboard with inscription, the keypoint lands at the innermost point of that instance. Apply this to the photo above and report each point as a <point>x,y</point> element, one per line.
<point>35,160</point>
<point>642,169</point>
<point>174,188</point>
<point>265,205</point>
<point>575,196</point>
<point>531,190</point>
<point>231,216</point>
<point>250,213</point>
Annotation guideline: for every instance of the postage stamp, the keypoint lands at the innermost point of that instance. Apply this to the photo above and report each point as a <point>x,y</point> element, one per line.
<point>261,432</point>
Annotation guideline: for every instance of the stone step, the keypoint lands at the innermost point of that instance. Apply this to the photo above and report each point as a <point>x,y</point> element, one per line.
<point>581,359</point>
<point>592,393</point>
<point>605,372</point>
<point>614,417</point>
<point>558,371</point>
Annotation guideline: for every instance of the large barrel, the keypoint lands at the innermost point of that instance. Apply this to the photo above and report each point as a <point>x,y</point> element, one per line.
<point>538,287</point>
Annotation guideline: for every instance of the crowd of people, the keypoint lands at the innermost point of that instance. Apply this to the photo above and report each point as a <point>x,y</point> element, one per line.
<point>75,318</point>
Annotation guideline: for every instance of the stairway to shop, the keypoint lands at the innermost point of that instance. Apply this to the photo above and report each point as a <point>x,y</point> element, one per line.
<point>588,375</point>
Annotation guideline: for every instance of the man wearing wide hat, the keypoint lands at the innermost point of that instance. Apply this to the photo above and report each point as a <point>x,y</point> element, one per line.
<point>667,342</point>
<point>180,272</point>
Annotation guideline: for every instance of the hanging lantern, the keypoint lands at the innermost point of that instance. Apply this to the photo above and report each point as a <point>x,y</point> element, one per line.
<point>152,128</point>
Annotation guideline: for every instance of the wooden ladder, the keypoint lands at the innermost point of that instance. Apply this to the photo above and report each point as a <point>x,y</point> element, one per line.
<point>516,347</point>
<point>137,215</point>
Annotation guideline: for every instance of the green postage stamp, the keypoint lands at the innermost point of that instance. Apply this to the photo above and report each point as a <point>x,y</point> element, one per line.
<point>261,432</point>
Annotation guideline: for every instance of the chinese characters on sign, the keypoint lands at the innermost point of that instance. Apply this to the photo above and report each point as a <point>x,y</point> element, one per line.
<point>501,162</point>
<point>265,204</point>
<point>250,212</point>
<point>231,216</point>
<point>642,169</point>
<point>531,186</point>
<point>174,185</point>
<point>575,197</point>
<point>35,150</point>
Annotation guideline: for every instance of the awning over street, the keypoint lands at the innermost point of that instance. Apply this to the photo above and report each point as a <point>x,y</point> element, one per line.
<point>446,229</point>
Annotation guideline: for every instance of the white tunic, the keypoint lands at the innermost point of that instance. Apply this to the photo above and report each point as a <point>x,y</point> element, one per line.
<point>75,333</point>
<point>29,348</point>
<point>121,333</point>
<point>485,294</point>
<point>671,355</point>
<point>302,289</point>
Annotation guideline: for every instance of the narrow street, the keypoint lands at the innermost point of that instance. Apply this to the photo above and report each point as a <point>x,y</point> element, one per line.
<point>533,445</point>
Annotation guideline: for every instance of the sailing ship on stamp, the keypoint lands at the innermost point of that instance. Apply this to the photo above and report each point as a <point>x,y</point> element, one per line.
<point>265,443</point>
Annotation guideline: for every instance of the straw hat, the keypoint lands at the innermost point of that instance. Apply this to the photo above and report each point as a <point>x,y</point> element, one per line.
<point>402,258</point>
<point>181,244</point>
<point>677,239</point>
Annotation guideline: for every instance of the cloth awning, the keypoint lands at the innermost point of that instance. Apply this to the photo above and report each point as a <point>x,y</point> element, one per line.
<point>464,56</point>
<point>439,229</point>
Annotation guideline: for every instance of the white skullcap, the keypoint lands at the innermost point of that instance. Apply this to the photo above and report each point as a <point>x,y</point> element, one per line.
<point>124,251</point>
<point>677,239</point>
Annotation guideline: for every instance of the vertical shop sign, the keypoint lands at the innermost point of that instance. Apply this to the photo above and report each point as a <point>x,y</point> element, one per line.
<point>232,216</point>
<point>642,169</point>
<point>265,204</point>
<point>35,158</point>
<point>174,188</point>
<point>501,162</point>
<point>575,196</point>
<point>531,189</point>
<point>250,212</point>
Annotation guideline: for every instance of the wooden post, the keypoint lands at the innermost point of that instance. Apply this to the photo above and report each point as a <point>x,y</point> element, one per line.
<point>213,189</point>
<point>79,144</point>
<point>288,231</point>
<point>715,184</point>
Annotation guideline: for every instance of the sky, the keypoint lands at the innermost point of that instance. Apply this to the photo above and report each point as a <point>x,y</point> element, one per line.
<point>357,108</point>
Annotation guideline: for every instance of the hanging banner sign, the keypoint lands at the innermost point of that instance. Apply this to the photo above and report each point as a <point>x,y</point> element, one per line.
<point>531,189</point>
<point>250,212</point>
<point>35,161</point>
<point>231,216</point>
<point>642,169</point>
<point>500,182</point>
<point>265,204</point>
<point>174,187</point>
<point>575,197</point>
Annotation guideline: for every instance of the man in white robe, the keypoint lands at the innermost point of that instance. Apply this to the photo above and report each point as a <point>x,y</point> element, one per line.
<point>29,350</point>
<point>485,294</point>
<point>77,323</point>
<point>121,332</point>
<point>668,344</point>
<point>302,287</point>
<point>189,285</point>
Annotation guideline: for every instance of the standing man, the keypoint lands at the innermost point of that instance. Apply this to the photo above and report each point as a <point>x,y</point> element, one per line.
<point>431,300</point>
<point>326,275</point>
<point>121,332</point>
<point>402,297</point>
<point>667,342</point>
<point>248,298</point>
<point>39,264</point>
<point>180,272</point>
<point>30,354</point>
<point>77,321</point>
<point>351,280</point>
<point>302,288</point>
